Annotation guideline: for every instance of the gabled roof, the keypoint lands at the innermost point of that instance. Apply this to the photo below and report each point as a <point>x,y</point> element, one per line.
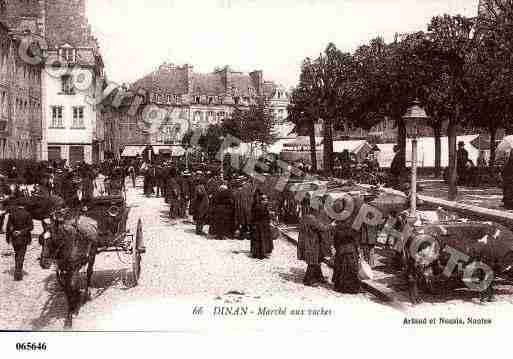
<point>209,84</point>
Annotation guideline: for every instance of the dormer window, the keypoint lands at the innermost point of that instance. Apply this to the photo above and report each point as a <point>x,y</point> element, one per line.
<point>68,54</point>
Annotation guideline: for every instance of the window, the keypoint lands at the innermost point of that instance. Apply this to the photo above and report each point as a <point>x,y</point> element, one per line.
<point>168,98</point>
<point>78,117</point>
<point>67,85</point>
<point>197,100</point>
<point>236,99</point>
<point>57,117</point>
<point>68,54</point>
<point>210,100</point>
<point>220,115</point>
<point>177,98</point>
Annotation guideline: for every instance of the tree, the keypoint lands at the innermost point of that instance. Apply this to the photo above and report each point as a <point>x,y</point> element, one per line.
<point>491,74</point>
<point>254,126</point>
<point>212,140</point>
<point>452,39</point>
<point>333,70</point>
<point>302,110</point>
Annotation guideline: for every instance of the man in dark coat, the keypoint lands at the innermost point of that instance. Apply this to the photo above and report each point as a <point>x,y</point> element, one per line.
<point>462,162</point>
<point>507,183</point>
<point>19,228</point>
<point>199,208</point>
<point>397,168</point>
<point>185,190</point>
<point>173,196</point>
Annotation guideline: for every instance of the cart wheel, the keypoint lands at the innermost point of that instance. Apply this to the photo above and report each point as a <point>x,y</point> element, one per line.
<point>137,245</point>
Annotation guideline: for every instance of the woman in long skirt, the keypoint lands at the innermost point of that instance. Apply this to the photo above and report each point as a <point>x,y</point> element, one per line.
<point>261,239</point>
<point>345,274</point>
<point>313,244</point>
<point>223,213</point>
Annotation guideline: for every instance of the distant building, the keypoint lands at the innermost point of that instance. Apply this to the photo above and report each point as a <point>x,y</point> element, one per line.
<point>188,99</point>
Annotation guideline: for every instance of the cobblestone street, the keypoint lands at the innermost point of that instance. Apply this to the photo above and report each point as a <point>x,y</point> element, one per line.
<point>178,266</point>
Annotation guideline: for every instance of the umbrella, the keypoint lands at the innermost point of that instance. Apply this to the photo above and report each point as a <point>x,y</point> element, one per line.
<point>504,149</point>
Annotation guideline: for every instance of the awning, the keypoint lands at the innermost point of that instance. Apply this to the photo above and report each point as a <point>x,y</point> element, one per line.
<point>175,151</point>
<point>302,141</point>
<point>132,151</point>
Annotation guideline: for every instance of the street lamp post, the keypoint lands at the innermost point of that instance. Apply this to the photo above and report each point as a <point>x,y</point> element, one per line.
<point>415,115</point>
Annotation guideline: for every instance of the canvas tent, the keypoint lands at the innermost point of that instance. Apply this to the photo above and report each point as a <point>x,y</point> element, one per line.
<point>299,150</point>
<point>426,151</point>
<point>360,148</point>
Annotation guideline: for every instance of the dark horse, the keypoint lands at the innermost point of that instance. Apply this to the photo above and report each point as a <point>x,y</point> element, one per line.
<point>71,242</point>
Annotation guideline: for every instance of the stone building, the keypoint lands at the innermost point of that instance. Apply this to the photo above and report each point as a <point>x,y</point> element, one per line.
<point>186,100</point>
<point>71,78</point>
<point>20,97</point>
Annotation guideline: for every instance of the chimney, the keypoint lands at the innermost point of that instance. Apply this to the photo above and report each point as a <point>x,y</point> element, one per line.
<point>226,79</point>
<point>188,77</point>
<point>257,78</point>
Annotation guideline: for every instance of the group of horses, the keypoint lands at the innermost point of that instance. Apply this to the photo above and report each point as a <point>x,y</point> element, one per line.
<point>69,240</point>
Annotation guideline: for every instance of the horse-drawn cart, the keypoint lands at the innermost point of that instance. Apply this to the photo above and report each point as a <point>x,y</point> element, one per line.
<point>75,237</point>
<point>111,213</point>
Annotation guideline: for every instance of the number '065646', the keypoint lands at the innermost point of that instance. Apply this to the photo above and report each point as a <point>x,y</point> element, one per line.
<point>30,346</point>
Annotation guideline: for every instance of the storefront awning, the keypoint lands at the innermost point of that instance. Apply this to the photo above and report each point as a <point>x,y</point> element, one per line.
<point>175,151</point>
<point>132,151</point>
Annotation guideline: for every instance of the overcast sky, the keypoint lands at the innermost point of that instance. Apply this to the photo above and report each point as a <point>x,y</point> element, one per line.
<point>136,36</point>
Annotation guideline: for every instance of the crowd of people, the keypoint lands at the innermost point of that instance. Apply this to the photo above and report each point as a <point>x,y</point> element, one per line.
<point>231,205</point>
<point>42,188</point>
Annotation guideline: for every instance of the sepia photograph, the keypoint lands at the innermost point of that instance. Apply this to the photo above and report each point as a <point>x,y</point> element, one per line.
<point>256,167</point>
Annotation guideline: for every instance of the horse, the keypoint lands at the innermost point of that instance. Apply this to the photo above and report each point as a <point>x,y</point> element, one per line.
<point>71,242</point>
<point>39,207</point>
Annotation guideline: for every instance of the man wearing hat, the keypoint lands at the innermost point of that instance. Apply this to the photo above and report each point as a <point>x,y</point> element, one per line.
<point>185,190</point>
<point>18,230</point>
<point>462,162</point>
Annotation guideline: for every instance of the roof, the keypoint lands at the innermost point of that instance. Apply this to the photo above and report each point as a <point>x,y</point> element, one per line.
<point>173,79</point>
<point>284,130</point>
<point>133,150</point>
<point>304,141</point>
<point>210,84</point>
<point>351,146</point>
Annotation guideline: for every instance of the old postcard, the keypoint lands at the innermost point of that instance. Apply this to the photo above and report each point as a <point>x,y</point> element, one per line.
<point>236,167</point>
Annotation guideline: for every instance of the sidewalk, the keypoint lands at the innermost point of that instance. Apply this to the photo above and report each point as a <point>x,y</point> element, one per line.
<point>486,197</point>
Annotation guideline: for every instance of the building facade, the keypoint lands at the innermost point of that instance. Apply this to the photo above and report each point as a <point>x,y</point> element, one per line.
<point>185,100</point>
<point>20,98</point>
<point>72,74</point>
